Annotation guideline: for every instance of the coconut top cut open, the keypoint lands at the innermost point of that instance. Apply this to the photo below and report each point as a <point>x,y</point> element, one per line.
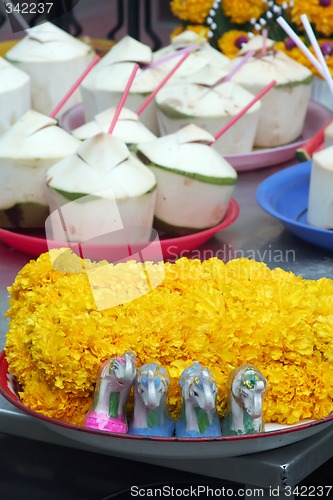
<point>205,63</point>
<point>100,163</point>
<point>47,43</point>
<point>194,100</point>
<point>11,77</point>
<point>128,127</point>
<point>187,152</point>
<point>36,136</point>
<point>275,65</point>
<point>113,71</point>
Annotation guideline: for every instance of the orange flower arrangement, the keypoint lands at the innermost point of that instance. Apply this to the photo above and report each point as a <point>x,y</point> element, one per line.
<point>221,315</point>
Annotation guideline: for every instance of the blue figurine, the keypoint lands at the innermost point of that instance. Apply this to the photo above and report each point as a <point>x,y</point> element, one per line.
<point>199,416</point>
<point>151,415</point>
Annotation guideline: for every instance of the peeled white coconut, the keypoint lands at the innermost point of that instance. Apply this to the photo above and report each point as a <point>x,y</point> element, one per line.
<point>27,150</point>
<point>14,94</point>
<point>128,127</point>
<point>205,61</point>
<point>195,183</point>
<point>210,108</point>
<point>54,60</point>
<point>102,189</point>
<point>284,106</point>
<point>105,84</point>
<point>320,206</point>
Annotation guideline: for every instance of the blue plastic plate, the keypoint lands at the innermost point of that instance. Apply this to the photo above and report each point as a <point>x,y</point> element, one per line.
<point>284,195</point>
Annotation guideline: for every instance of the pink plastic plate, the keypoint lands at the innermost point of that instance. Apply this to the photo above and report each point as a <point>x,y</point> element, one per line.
<point>132,446</point>
<point>317,117</point>
<point>34,243</point>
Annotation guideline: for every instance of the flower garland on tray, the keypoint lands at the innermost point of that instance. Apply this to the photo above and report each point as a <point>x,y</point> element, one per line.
<point>228,24</point>
<point>221,315</point>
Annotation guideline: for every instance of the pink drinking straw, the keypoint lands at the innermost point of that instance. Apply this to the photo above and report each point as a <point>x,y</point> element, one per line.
<point>174,55</point>
<point>123,99</point>
<point>75,86</point>
<point>264,43</point>
<point>149,99</point>
<point>243,111</point>
<point>238,66</point>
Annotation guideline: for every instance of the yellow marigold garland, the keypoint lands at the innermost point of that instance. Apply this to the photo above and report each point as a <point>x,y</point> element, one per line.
<point>222,315</point>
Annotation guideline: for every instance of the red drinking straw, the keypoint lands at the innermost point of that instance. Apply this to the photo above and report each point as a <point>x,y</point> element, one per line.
<point>123,99</point>
<point>75,86</point>
<point>149,99</point>
<point>244,110</point>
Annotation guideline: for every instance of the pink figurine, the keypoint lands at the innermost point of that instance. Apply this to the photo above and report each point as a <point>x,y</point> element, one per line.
<point>114,382</point>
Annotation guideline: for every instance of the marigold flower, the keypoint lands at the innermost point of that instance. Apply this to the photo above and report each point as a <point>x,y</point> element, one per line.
<point>194,11</point>
<point>243,11</point>
<point>231,41</point>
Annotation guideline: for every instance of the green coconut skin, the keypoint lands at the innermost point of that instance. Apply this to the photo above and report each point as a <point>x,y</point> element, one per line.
<point>24,216</point>
<point>220,181</point>
<point>170,230</point>
<point>306,81</point>
<point>76,196</point>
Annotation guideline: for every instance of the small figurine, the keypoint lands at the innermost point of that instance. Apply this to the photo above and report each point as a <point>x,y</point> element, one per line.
<point>114,382</point>
<point>199,416</point>
<point>151,415</point>
<point>247,388</point>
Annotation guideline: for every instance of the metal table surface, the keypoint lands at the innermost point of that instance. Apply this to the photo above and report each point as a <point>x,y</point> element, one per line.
<point>254,235</point>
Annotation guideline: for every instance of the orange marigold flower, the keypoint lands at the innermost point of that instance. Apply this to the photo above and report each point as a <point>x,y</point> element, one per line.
<point>194,11</point>
<point>231,42</point>
<point>242,11</point>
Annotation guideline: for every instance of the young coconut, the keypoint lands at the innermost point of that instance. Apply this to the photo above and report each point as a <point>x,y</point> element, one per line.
<point>128,128</point>
<point>284,107</point>
<point>206,60</point>
<point>27,150</point>
<point>210,108</point>
<point>320,212</point>
<point>104,85</point>
<point>14,94</point>
<point>195,183</point>
<point>103,187</point>
<point>54,60</point>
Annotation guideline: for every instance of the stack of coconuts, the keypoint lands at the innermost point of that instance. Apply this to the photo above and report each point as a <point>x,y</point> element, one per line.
<point>162,169</point>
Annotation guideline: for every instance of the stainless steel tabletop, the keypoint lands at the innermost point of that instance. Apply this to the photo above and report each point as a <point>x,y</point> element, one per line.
<point>254,235</point>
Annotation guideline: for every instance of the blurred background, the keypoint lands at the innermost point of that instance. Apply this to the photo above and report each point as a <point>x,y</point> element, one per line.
<point>151,20</point>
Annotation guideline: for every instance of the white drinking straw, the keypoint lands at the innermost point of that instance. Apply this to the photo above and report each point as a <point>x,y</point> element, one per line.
<point>317,49</point>
<point>291,33</point>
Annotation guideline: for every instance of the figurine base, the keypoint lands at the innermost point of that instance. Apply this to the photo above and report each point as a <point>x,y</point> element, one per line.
<point>166,430</point>
<point>102,422</point>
